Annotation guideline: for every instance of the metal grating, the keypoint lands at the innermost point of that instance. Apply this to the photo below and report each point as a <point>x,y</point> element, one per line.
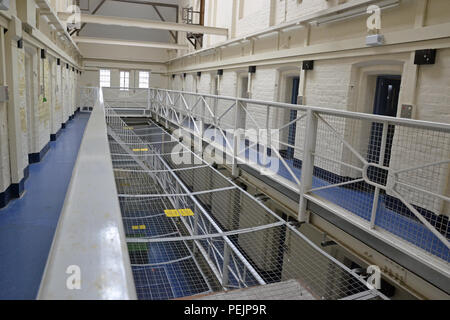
<point>222,239</point>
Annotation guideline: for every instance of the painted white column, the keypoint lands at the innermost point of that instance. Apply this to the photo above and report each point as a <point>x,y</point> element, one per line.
<point>54,125</point>
<point>59,111</point>
<point>64,92</point>
<point>408,93</point>
<point>5,179</point>
<point>16,156</point>
<point>302,88</point>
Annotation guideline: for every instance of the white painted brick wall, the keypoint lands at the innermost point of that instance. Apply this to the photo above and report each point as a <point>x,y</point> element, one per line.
<point>158,81</point>
<point>59,98</point>
<point>415,147</point>
<point>327,86</point>
<point>264,86</point>
<point>189,83</point>
<point>66,93</point>
<point>22,104</point>
<point>204,85</point>
<point>56,124</point>
<point>228,83</point>
<point>256,16</point>
<point>433,98</point>
<point>5,177</point>
<point>296,9</point>
<point>43,115</point>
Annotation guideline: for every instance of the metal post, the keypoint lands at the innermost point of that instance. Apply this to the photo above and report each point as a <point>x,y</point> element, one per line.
<point>166,106</point>
<point>226,263</point>
<point>308,162</point>
<point>149,103</point>
<point>380,162</point>
<point>236,140</point>
<point>235,169</point>
<point>268,138</point>
<point>196,224</point>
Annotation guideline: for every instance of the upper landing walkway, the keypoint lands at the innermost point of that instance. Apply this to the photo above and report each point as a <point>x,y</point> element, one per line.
<point>28,224</point>
<point>355,167</point>
<point>385,180</point>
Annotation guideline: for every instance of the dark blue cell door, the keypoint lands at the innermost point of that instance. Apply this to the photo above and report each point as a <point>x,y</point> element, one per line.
<point>292,117</point>
<point>385,104</point>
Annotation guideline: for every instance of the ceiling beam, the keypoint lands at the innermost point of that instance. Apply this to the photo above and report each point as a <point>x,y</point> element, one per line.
<point>160,45</point>
<point>162,19</point>
<point>158,4</point>
<point>147,24</point>
<point>93,12</point>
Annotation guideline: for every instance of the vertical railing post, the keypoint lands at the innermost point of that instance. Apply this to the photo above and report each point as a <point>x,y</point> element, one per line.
<point>166,106</point>
<point>268,138</point>
<point>196,225</point>
<point>199,141</point>
<point>149,103</point>
<point>226,263</point>
<point>158,106</point>
<point>376,196</point>
<point>236,139</point>
<point>308,162</point>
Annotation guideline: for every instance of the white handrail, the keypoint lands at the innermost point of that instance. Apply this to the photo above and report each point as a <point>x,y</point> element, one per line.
<point>90,234</point>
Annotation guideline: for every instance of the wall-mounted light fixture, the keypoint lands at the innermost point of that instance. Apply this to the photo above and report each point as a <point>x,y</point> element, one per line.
<point>308,65</point>
<point>427,56</point>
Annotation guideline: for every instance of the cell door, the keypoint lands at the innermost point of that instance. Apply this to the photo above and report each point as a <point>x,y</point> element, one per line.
<point>385,104</point>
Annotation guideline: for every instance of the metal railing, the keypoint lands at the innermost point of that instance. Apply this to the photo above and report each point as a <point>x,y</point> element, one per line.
<point>230,240</point>
<point>389,174</point>
<point>90,241</point>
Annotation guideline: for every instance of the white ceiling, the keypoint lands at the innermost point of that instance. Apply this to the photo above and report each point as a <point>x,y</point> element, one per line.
<point>126,10</point>
<point>129,10</point>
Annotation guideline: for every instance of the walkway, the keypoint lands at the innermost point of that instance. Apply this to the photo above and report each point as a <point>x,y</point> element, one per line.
<point>28,224</point>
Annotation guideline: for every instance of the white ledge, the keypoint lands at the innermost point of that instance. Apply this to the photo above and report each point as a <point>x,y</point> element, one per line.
<point>90,231</point>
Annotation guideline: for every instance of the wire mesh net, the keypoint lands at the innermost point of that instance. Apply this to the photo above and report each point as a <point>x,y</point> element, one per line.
<point>409,167</point>
<point>191,232</point>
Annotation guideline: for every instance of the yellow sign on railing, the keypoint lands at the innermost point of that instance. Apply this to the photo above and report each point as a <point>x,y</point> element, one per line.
<point>178,213</point>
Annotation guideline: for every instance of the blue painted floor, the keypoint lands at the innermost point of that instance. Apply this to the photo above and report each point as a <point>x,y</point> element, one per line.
<point>27,225</point>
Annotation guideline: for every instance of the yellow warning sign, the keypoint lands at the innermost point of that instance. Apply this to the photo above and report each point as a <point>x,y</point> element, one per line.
<point>128,128</point>
<point>140,150</point>
<point>141,227</point>
<point>179,212</point>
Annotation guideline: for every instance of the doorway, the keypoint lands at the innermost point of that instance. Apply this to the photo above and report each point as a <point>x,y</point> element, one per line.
<point>385,104</point>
